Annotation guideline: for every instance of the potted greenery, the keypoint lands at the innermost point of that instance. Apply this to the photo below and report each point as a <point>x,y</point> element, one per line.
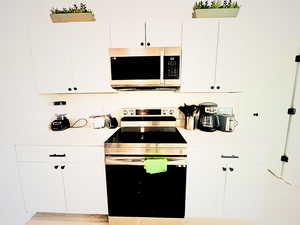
<point>215,9</point>
<point>73,14</point>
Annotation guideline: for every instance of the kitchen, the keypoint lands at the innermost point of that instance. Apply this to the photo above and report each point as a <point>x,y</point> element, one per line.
<point>255,66</point>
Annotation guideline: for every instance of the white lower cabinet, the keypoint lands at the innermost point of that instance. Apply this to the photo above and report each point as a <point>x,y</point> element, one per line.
<point>216,187</point>
<point>205,184</point>
<point>71,179</point>
<point>244,195</point>
<point>85,188</point>
<point>42,187</point>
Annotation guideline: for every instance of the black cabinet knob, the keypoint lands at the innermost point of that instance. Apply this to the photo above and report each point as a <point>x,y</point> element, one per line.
<point>231,169</point>
<point>69,89</point>
<point>62,167</point>
<point>75,88</point>
<point>212,87</point>
<point>142,43</point>
<point>224,168</point>
<point>218,87</point>
<point>56,167</point>
<point>148,43</point>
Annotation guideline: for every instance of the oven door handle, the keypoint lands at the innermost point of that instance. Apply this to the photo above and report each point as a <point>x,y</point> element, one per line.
<point>139,161</point>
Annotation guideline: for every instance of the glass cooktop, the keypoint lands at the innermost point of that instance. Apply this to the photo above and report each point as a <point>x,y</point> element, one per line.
<point>158,135</point>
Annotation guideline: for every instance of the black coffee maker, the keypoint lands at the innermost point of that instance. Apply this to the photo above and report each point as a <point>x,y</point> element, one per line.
<point>208,119</point>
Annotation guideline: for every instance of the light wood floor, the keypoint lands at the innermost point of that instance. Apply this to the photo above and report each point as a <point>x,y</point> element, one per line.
<point>67,219</point>
<point>82,219</point>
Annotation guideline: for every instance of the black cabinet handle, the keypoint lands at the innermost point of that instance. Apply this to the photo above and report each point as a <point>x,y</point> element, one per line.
<point>212,87</point>
<point>62,167</point>
<point>75,88</point>
<point>218,87</point>
<point>224,168</point>
<point>142,43</point>
<point>231,169</point>
<point>55,155</point>
<point>148,43</point>
<point>255,114</point>
<point>230,156</point>
<point>69,89</point>
<point>56,167</point>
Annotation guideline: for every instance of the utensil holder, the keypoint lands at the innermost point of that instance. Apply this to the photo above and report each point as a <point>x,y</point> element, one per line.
<point>189,123</point>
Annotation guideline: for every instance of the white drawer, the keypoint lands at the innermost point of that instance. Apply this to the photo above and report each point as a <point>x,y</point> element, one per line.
<point>59,154</point>
<point>39,154</point>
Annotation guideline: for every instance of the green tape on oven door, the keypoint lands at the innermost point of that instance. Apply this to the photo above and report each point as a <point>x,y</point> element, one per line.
<point>155,165</point>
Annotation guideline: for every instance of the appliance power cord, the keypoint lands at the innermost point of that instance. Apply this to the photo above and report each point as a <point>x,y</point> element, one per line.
<point>77,121</point>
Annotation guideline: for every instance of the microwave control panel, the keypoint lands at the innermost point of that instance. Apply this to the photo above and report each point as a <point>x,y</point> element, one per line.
<point>171,67</point>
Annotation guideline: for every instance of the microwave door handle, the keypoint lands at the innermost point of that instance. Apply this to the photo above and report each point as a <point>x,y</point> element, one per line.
<point>162,67</point>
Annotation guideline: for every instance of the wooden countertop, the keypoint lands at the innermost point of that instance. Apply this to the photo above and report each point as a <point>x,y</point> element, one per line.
<point>82,219</point>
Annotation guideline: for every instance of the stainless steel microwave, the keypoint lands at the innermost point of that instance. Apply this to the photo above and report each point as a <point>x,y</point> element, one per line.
<point>138,68</point>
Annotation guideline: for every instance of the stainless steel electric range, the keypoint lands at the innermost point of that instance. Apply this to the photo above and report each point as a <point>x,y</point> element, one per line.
<point>132,192</point>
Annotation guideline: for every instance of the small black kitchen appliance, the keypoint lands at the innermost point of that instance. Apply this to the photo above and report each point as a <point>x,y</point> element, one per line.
<point>60,123</point>
<point>208,119</point>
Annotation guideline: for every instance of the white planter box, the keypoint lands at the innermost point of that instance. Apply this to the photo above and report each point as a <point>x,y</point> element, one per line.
<point>215,13</point>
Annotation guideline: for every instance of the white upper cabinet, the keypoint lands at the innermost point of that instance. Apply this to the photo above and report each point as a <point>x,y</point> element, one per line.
<point>199,49</point>
<point>163,33</point>
<point>68,57</point>
<point>51,57</point>
<point>141,33</point>
<point>90,59</point>
<point>231,56</point>
<point>127,34</point>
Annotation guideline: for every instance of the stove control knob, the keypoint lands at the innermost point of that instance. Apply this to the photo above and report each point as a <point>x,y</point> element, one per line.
<point>171,112</point>
<point>125,112</point>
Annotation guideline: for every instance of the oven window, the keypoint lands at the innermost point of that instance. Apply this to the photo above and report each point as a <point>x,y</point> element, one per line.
<point>135,68</point>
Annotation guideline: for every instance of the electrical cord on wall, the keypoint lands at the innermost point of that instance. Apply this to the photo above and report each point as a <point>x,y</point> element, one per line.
<point>77,121</point>
<point>291,113</point>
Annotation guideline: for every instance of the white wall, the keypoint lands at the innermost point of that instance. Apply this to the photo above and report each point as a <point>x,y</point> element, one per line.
<point>267,66</point>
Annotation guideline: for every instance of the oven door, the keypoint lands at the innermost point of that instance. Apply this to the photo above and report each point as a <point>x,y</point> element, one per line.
<point>134,193</point>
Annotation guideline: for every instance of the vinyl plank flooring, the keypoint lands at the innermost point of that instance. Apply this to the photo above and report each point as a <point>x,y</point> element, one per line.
<point>67,219</point>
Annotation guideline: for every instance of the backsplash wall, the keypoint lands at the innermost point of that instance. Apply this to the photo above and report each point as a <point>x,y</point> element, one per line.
<point>85,105</point>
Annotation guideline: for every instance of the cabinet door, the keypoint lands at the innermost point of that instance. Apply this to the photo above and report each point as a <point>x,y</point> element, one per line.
<point>42,187</point>
<point>85,182</point>
<point>199,46</point>
<point>163,33</point>
<point>51,47</point>
<point>205,184</point>
<point>90,57</point>
<point>127,34</point>
<point>232,55</point>
<point>51,57</point>
<point>244,196</point>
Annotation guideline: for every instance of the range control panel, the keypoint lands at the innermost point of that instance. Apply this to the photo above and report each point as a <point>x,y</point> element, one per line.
<point>149,112</point>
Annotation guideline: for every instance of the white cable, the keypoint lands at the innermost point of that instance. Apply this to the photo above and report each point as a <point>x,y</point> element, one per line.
<point>281,177</point>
